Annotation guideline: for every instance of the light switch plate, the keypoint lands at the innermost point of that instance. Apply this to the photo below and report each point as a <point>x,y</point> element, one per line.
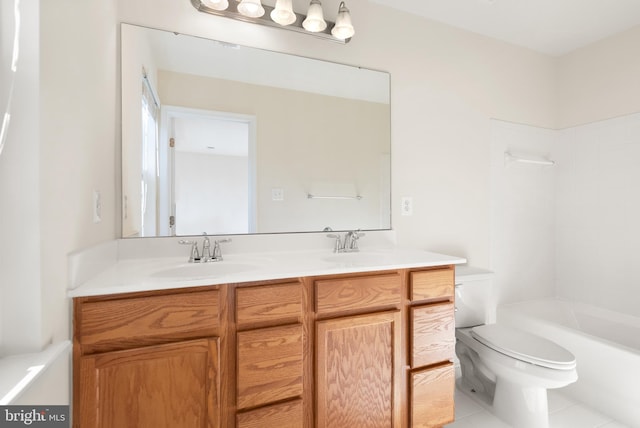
<point>97,207</point>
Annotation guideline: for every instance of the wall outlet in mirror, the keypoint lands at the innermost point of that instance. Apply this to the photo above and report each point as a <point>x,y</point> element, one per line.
<point>277,194</point>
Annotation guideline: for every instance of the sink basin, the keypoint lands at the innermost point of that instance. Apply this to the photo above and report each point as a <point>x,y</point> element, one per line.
<point>189,271</point>
<point>359,259</point>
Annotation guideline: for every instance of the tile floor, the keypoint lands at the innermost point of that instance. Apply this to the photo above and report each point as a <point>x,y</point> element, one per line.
<point>564,412</point>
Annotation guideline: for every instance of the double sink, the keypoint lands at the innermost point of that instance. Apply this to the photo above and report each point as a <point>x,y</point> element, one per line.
<point>239,264</point>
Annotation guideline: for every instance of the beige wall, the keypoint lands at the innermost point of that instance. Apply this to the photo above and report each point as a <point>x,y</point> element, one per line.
<point>79,137</point>
<point>600,81</point>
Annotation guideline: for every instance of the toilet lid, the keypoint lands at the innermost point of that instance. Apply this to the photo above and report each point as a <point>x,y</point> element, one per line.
<point>524,346</point>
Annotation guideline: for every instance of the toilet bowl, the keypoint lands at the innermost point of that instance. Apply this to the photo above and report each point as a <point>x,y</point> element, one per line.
<point>507,370</point>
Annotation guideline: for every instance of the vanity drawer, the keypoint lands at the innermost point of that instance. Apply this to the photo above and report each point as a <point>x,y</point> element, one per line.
<point>283,415</point>
<point>432,392</point>
<point>432,284</point>
<point>270,365</point>
<point>358,293</point>
<point>148,320</point>
<point>269,304</point>
<point>432,334</point>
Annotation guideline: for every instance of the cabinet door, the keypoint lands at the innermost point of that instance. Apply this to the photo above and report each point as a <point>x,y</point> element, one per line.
<point>358,371</point>
<point>174,385</point>
<point>432,392</point>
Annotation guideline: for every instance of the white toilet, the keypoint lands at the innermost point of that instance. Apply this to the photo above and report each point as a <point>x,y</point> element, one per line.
<point>507,370</point>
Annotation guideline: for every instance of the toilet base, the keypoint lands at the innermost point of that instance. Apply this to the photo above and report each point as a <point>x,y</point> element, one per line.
<point>517,416</point>
<point>522,407</point>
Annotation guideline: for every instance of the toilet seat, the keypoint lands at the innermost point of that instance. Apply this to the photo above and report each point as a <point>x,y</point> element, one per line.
<point>524,346</point>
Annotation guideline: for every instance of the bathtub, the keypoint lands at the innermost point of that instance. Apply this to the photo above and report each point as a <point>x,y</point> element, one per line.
<point>39,378</point>
<point>606,345</point>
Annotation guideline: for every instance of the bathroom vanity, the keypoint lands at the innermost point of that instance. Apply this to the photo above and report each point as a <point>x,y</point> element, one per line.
<point>350,344</point>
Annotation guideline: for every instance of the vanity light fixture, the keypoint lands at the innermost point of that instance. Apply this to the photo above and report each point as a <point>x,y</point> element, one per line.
<point>343,28</point>
<point>251,8</point>
<point>314,22</point>
<point>283,16</point>
<point>283,13</point>
<point>216,4</point>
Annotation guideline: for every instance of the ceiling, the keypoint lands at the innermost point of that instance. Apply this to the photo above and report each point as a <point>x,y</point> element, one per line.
<point>553,27</point>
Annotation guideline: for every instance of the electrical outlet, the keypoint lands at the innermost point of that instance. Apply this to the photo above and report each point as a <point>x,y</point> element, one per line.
<point>277,194</point>
<point>407,206</point>
<point>97,207</point>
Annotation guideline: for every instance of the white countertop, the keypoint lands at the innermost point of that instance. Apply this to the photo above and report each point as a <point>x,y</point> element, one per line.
<point>159,273</point>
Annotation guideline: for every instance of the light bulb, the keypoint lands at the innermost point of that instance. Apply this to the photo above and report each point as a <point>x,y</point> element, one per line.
<point>343,28</point>
<point>314,22</point>
<point>283,13</point>
<point>216,4</point>
<point>251,8</point>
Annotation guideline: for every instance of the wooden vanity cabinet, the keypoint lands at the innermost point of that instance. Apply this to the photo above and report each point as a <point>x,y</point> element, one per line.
<point>147,360</point>
<point>372,349</point>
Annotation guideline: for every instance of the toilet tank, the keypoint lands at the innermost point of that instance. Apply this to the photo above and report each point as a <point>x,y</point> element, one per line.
<point>475,298</point>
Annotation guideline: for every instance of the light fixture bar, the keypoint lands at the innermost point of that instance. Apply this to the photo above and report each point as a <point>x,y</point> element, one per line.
<point>232,12</point>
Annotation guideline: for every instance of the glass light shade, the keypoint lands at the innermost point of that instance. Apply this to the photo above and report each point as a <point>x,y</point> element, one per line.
<point>251,8</point>
<point>343,28</point>
<point>314,22</point>
<point>216,4</point>
<point>283,13</point>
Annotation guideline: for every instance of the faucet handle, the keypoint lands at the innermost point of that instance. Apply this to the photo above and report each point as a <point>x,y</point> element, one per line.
<point>355,235</point>
<point>195,255</point>
<point>217,252</point>
<point>338,244</point>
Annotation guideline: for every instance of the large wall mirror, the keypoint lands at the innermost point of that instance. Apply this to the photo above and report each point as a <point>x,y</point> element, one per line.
<point>226,139</point>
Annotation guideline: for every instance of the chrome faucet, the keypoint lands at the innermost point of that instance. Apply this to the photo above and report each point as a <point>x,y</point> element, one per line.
<point>348,244</point>
<point>206,250</point>
<point>208,254</point>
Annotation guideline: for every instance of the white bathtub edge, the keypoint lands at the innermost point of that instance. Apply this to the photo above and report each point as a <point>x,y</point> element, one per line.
<point>20,372</point>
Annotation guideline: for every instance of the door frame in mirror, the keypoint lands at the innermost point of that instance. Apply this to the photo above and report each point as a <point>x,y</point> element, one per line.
<point>166,196</point>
